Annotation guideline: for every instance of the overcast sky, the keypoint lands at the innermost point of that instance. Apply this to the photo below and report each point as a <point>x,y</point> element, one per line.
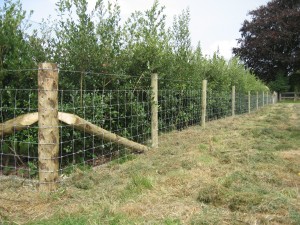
<point>215,23</point>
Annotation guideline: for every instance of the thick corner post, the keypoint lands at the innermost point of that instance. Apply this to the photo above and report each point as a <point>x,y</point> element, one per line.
<point>48,134</point>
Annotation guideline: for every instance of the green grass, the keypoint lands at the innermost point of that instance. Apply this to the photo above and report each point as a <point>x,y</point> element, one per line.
<point>242,170</point>
<point>290,101</point>
<point>136,186</point>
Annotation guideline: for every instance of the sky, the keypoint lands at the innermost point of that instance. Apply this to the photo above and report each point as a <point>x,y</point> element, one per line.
<point>215,23</point>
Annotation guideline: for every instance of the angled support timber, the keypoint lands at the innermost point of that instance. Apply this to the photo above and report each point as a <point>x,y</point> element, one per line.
<point>24,121</point>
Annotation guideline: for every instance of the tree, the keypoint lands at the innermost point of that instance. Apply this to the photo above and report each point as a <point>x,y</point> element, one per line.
<point>18,49</point>
<point>181,44</point>
<point>270,41</point>
<point>147,48</point>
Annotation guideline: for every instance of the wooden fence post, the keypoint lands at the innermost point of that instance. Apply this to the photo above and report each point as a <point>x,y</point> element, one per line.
<point>263,97</point>
<point>204,93</point>
<point>249,101</point>
<point>154,110</point>
<point>280,97</point>
<point>267,98</point>
<point>257,100</point>
<point>273,97</point>
<point>233,101</point>
<point>48,134</point>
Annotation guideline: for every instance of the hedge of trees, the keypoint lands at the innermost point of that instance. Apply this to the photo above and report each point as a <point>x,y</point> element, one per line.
<point>98,55</point>
<point>97,41</point>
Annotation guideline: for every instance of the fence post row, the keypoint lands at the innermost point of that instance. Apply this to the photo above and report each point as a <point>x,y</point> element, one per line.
<point>233,101</point>
<point>204,96</point>
<point>48,131</point>
<point>154,110</point>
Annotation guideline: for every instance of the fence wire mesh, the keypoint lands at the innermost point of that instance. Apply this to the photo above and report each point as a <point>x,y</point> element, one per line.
<point>178,109</point>
<point>218,105</point>
<point>121,105</point>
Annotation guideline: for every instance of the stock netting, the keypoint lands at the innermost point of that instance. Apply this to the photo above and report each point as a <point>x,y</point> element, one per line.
<point>178,109</point>
<point>18,154</point>
<point>219,105</point>
<point>122,112</point>
<point>107,102</point>
<point>117,103</point>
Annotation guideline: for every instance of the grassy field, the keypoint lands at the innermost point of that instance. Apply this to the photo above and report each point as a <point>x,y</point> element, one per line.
<point>242,170</point>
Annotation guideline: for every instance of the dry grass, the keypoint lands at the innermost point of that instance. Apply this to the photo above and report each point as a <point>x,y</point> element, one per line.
<point>242,170</point>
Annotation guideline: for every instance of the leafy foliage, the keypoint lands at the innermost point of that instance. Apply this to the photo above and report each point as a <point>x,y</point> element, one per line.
<point>270,41</point>
<point>105,70</point>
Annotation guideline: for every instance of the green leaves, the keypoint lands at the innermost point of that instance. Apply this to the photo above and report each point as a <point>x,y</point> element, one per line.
<point>94,40</point>
<point>17,48</point>
<point>269,42</point>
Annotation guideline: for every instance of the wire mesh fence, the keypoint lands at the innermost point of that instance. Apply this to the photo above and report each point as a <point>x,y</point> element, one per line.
<point>178,109</point>
<point>218,105</point>
<point>100,118</point>
<point>122,112</point>
<point>241,103</point>
<point>18,155</point>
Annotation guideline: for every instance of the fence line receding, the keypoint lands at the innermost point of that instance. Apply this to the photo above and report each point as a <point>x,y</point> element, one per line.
<point>47,131</point>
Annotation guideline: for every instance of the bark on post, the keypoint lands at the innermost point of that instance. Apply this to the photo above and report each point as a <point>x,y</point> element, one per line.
<point>249,101</point>
<point>233,101</point>
<point>154,110</point>
<point>203,111</point>
<point>48,146</point>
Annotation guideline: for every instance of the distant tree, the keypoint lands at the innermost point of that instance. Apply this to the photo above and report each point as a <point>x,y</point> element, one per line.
<point>270,41</point>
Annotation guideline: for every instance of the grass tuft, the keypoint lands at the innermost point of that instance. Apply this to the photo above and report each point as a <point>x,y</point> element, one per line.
<point>212,194</point>
<point>136,186</point>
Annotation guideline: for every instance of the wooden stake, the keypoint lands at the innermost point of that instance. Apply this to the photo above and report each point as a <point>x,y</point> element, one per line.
<point>280,97</point>
<point>154,110</point>
<point>263,97</point>
<point>24,121</point>
<point>85,126</point>
<point>274,97</point>
<point>203,112</point>
<point>48,146</point>
<point>17,124</point>
<point>249,101</point>
<point>233,101</point>
<point>257,100</point>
